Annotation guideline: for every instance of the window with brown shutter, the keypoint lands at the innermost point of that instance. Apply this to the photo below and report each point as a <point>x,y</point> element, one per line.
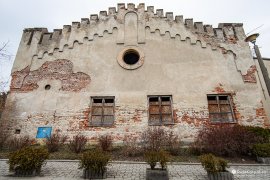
<point>220,109</point>
<point>160,110</point>
<point>102,111</point>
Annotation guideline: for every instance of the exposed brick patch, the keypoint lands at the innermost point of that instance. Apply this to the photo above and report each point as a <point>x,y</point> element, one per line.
<point>18,78</point>
<point>237,115</point>
<point>86,119</point>
<point>138,115</point>
<point>196,118</point>
<point>62,69</point>
<point>175,117</point>
<point>219,90</point>
<point>231,39</point>
<point>260,112</point>
<point>250,75</point>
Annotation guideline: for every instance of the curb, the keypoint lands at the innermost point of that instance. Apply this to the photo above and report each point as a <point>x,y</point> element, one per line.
<point>139,162</point>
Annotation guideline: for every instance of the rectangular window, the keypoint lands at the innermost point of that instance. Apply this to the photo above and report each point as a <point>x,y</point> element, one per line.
<point>102,111</point>
<point>220,109</point>
<point>160,110</point>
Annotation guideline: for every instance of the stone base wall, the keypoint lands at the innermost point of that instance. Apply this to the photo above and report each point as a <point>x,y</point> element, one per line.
<point>130,121</point>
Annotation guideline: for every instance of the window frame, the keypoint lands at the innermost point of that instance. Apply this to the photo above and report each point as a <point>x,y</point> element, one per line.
<point>229,99</point>
<point>102,124</point>
<point>161,122</point>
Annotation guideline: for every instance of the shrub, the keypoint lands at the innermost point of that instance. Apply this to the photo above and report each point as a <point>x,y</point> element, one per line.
<point>131,146</point>
<point>225,140</point>
<point>151,157</point>
<point>261,132</point>
<point>261,150</point>
<point>16,143</point>
<point>212,163</point>
<point>156,138</point>
<point>163,158</point>
<point>173,144</point>
<point>78,143</point>
<point>55,141</point>
<point>95,160</point>
<point>28,159</point>
<point>105,142</point>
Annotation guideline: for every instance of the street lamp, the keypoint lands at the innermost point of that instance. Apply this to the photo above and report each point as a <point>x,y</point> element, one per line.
<point>252,38</point>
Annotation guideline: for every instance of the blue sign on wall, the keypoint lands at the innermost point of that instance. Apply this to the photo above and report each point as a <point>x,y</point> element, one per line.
<point>44,132</point>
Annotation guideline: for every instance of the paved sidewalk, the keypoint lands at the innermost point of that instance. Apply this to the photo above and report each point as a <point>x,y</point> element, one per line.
<point>135,170</point>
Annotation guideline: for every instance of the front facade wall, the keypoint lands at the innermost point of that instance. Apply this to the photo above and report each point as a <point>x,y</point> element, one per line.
<point>174,66</point>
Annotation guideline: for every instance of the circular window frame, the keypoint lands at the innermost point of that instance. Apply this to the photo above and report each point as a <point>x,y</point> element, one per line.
<point>123,64</point>
<point>47,87</point>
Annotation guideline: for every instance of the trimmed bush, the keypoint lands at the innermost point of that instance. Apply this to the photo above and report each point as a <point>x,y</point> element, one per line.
<point>152,157</point>
<point>212,163</point>
<point>225,140</point>
<point>105,142</point>
<point>95,161</point>
<point>164,157</point>
<point>261,150</point>
<point>54,142</point>
<point>28,159</point>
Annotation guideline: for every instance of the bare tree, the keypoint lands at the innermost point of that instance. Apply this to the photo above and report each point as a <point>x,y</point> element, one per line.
<point>4,53</point>
<point>3,85</point>
<point>5,56</point>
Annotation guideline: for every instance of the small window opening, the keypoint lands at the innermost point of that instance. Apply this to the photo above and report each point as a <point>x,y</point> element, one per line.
<point>131,57</point>
<point>165,98</point>
<point>153,99</point>
<point>17,131</point>
<point>47,87</point>
<point>97,100</point>
<point>223,97</point>
<point>211,98</point>
<point>109,100</point>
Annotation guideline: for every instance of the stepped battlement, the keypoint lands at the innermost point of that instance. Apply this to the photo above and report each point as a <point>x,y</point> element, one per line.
<point>227,37</point>
<point>230,32</point>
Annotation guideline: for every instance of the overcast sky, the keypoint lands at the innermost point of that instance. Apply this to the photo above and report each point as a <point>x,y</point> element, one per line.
<point>15,15</point>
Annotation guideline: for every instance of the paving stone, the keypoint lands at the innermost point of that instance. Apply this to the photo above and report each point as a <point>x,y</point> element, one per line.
<point>122,171</point>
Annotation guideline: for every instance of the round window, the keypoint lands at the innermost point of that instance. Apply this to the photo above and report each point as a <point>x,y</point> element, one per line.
<point>130,58</point>
<point>47,87</point>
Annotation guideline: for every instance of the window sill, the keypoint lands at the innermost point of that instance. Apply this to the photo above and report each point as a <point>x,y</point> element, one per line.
<point>101,126</point>
<point>168,124</point>
<point>217,123</point>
